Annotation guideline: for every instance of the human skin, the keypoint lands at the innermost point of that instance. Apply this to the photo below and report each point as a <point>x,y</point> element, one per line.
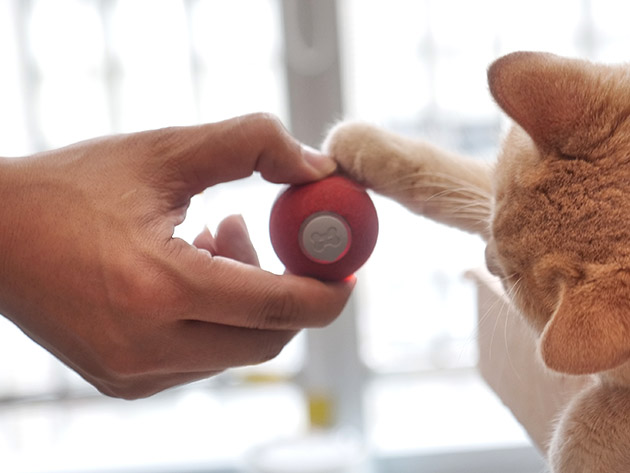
<point>90,270</point>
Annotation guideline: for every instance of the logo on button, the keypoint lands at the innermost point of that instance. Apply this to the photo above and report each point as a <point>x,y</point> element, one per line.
<point>325,237</point>
<point>323,240</point>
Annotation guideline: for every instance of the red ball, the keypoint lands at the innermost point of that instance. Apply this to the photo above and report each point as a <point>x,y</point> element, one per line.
<point>325,229</point>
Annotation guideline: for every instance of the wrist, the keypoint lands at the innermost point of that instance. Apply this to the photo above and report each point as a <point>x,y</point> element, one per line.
<point>10,210</point>
<point>7,195</point>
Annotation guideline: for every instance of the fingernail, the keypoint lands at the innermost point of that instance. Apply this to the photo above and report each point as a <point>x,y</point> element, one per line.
<point>351,281</point>
<point>322,163</point>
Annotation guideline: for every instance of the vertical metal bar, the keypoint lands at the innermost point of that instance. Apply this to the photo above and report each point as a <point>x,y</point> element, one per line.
<point>333,371</point>
<point>312,67</point>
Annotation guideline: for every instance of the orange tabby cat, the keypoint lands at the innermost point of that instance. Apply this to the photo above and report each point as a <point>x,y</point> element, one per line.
<point>555,212</point>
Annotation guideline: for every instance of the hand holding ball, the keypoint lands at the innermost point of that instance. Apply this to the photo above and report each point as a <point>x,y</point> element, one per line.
<point>325,229</point>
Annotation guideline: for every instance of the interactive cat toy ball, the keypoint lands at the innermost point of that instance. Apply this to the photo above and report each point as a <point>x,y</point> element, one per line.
<point>326,229</point>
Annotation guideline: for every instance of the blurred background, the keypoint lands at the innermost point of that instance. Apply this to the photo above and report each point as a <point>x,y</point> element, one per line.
<point>389,387</point>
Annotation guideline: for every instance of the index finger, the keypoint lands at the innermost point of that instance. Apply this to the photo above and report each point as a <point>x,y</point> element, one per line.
<point>232,149</point>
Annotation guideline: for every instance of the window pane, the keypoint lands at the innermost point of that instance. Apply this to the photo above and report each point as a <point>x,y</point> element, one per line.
<point>239,58</point>
<point>523,26</point>
<point>72,107</point>
<point>14,138</point>
<point>438,412</point>
<point>26,369</point>
<point>417,311</point>
<point>66,36</point>
<point>67,45</point>
<point>183,429</point>
<point>608,31</point>
<point>151,47</point>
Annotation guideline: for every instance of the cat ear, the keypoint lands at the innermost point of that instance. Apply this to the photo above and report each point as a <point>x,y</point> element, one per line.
<point>556,100</point>
<point>590,330</point>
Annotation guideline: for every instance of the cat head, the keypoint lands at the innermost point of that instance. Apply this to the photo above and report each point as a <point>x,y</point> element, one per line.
<point>560,232</point>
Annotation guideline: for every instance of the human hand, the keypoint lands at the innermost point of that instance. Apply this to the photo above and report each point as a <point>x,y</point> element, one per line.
<point>90,270</point>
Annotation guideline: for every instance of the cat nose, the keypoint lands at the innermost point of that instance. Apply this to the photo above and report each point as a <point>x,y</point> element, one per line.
<point>492,260</point>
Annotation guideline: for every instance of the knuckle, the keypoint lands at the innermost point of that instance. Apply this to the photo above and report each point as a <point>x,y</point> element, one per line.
<point>267,121</point>
<point>155,150</point>
<point>267,125</point>
<point>163,141</point>
<point>280,310</point>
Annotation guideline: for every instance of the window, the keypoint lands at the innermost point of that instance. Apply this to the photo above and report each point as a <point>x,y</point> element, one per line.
<point>74,69</point>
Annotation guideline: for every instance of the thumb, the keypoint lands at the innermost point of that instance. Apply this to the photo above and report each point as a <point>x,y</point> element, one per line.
<point>206,155</point>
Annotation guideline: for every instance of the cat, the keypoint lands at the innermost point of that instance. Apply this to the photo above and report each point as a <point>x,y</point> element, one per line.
<point>554,210</point>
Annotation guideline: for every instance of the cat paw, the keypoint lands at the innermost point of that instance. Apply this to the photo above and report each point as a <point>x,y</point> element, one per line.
<point>357,147</point>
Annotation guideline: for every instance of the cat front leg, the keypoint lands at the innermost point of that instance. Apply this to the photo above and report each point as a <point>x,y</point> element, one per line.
<point>593,434</point>
<point>446,187</point>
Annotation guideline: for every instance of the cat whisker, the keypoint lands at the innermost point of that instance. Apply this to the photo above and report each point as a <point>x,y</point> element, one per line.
<point>483,319</point>
<point>453,192</point>
<point>505,306</point>
<point>513,295</point>
<point>450,196</point>
<point>435,179</point>
<point>448,187</point>
<point>432,192</point>
<point>471,210</point>
<point>416,182</point>
<point>475,205</point>
<point>496,323</point>
<point>446,199</point>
